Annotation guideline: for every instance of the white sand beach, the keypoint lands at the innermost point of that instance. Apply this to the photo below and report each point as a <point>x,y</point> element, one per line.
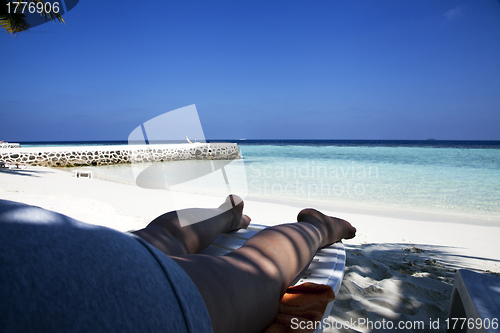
<point>397,269</point>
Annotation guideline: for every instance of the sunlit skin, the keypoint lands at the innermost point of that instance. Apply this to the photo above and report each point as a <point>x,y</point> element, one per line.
<point>242,289</point>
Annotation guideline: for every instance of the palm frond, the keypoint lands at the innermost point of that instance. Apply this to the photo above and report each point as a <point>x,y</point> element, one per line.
<point>13,23</point>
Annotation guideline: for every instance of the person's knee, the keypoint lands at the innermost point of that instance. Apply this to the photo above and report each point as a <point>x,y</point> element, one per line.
<point>159,238</point>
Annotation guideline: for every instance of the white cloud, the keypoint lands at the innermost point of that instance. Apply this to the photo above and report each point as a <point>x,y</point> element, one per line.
<point>452,13</point>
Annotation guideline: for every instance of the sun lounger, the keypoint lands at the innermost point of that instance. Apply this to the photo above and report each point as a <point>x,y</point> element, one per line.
<point>475,303</point>
<point>327,266</point>
<point>82,173</point>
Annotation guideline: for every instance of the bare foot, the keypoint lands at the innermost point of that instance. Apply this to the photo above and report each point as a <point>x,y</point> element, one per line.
<point>337,228</point>
<point>235,204</point>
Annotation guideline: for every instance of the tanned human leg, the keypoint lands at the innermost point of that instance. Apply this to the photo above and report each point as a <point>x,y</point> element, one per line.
<point>242,289</point>
<point>166,233</point>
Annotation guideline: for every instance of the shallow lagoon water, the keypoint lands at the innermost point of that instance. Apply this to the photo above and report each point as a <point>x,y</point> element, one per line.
<point>445,180</point>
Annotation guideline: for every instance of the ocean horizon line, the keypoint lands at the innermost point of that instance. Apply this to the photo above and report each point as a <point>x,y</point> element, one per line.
<point>434,143</point>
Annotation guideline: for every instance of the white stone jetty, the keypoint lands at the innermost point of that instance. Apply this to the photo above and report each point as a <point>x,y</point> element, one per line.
<point>69,156</point>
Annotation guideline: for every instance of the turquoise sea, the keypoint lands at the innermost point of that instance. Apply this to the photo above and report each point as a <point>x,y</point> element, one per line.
<point>443,177</point>
<point>422,177</point>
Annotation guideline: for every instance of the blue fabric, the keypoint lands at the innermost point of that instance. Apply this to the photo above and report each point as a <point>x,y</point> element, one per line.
<point>61,275</point>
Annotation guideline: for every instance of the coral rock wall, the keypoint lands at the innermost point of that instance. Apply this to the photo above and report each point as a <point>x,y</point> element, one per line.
<point>9,145</point>
<point>104,155</point>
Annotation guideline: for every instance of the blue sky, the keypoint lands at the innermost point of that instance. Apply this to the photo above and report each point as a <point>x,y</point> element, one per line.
<point>324,69</point>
